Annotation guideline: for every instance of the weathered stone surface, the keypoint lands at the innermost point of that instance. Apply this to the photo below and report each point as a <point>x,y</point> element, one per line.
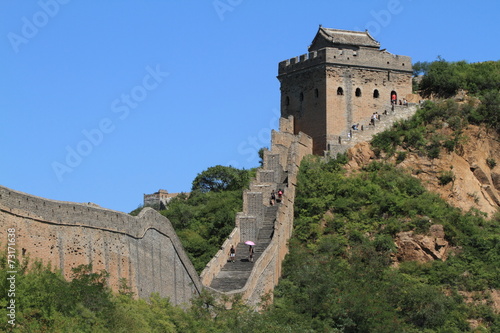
<point>475,184</point>
<point>332,88</point>
<point>360,155</point>
<point>495,178</point>
<point>144,250</point>
<point>481,176</point>
<point>269,226</point>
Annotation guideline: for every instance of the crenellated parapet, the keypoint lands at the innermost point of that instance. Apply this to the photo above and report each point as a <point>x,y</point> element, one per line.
<point>365,58</point>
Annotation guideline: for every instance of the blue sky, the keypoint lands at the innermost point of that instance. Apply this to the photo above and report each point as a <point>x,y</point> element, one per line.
<point>103,101</point>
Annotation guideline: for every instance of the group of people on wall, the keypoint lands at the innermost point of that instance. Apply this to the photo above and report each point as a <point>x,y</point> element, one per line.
<point>276,197</point>
<point>232,253</point>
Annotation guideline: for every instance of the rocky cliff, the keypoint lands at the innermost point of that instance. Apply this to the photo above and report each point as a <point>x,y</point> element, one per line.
<point>474,174</point>
<point>472,167</point>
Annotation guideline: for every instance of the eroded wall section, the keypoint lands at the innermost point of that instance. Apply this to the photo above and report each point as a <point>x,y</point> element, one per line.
<point>144,250</point>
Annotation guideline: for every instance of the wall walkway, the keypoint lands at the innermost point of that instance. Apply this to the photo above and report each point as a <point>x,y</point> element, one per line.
<point>269,226</point>
<point>145,249</point>
<point>350,138</point>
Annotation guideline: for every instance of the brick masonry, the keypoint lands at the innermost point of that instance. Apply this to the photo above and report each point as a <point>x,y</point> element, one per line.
<point>282,161</point>
<point>144,250</point>
<point>329,89</point>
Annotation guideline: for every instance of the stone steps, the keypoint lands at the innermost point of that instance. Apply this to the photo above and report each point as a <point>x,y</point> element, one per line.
<point>386,121</point>
<point>235,274</point>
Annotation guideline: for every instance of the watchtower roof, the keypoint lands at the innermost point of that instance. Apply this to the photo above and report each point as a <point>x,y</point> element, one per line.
<point>326,37</point>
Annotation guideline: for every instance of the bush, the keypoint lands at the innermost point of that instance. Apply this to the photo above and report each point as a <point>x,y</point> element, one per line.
<point>401,156</point>
<point>491,162</point>
<point>433,150</point>
<point>446,177</point>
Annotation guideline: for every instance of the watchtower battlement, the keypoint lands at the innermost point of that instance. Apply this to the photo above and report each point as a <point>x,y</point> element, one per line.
<point>366,58</point>
<point>343,79</point>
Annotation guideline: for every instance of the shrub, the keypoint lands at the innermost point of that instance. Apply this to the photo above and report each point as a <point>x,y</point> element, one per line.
<point>491,162</point>
<point>401,156</point>
<point>433,150</point>
<point>450,145</point>
<point>446,177</point>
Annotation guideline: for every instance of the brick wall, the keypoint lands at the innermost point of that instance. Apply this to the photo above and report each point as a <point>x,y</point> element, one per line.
<point>144,250</point>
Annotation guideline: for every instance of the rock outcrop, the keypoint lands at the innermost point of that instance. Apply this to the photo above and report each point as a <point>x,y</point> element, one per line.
<point>475,172</point>
<point>422,248</point>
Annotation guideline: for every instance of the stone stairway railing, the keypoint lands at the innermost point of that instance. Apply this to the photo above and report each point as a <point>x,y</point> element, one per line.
<point>366,131</point>
<point>280,168</point>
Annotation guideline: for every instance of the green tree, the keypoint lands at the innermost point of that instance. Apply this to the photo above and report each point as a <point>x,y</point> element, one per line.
<point>220,178</point>
<point>421,68</point>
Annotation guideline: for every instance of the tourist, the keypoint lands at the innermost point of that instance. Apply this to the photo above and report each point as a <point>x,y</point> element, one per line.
<point>355,127</point>
<point>393,99</point>
<point>273,198</point>
<point>250,253</point>
<point>232,253</point>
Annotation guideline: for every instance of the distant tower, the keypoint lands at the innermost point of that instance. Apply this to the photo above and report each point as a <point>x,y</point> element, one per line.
<point>343,79</point>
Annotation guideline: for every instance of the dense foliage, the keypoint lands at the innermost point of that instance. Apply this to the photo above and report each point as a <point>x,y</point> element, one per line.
<point>46,302</point>
<point>220,178</point>
<point>338,276</point>
<point>438,126</point>
<point>445,79</point>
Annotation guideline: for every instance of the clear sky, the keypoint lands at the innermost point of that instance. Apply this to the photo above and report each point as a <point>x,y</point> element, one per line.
<point>103,101</point>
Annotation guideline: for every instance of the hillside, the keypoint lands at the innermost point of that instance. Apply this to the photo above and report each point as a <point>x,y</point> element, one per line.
<point>472,167</point>
<point>375,251</point>
<point>400,234</point>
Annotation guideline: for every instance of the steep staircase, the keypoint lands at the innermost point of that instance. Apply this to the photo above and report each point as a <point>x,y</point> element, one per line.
<point>234,275</point>
<point>366,131</point>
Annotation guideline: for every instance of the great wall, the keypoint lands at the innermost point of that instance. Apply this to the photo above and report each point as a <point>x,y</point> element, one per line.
<point>145,250</point>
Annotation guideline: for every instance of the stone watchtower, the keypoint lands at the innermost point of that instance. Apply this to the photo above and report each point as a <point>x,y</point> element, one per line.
<point>342,81</point>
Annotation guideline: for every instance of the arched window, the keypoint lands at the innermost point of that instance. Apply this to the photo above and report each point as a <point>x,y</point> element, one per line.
<point>376,94</point>
<point>301,97</point>
<point>316,93</point>
<point>340,91</point>
<point>358,92</point>
<point>287,100</point>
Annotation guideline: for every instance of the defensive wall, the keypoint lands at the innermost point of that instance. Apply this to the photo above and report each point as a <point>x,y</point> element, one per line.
<point>144,250</point>
<point>279,170</point>
<point>366,131</point>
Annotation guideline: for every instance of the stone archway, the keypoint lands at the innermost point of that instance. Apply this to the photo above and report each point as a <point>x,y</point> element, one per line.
<point>394,97</point>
